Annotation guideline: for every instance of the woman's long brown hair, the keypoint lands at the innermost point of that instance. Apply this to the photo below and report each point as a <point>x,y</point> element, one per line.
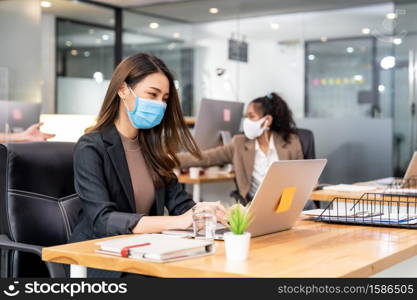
<point>161,143</point>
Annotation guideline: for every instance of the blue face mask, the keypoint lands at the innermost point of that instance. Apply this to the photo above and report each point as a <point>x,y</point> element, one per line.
<point>147,113</point>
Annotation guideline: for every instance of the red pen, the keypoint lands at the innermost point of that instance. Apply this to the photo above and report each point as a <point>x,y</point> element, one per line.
<point>125,250</point>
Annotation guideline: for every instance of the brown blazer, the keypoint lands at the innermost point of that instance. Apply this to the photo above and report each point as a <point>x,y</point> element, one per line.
<point>241,153</point>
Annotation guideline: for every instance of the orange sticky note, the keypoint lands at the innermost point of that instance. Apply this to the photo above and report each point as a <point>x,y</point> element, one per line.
<point>285,201</point>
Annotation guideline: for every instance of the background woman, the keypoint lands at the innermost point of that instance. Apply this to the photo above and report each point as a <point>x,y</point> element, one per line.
<point>269,135</point>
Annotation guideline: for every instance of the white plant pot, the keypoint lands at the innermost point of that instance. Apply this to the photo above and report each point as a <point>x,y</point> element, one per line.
<point>237,246</point>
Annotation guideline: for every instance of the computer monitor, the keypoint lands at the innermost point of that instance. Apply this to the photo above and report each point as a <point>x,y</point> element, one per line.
<point>16,116</point>
<point>217,122</point>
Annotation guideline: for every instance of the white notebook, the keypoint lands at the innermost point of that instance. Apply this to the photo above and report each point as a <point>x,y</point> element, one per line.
<point>156,247</point>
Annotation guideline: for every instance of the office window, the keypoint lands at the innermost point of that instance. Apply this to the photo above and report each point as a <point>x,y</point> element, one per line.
<point>85,53</point>
<point>339,78</point>
<point>84,49</point>
<point>168,40</point>
<point>85,61</point>
<point>404,72</point>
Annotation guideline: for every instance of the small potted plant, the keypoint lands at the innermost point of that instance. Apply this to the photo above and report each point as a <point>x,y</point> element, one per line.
<point>237,240</point>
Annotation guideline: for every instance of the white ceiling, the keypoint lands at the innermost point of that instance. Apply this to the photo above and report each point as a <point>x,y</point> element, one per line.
<point>138,31</point>
<point>127,3</point>
<point>80,11</point>
<point>293,27</point>
<point>198,10</point>
<point>298,26</point>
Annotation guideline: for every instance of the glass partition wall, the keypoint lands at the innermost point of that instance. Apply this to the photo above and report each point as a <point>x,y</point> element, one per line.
<point>20,65</point>
<point>404,73</point>
<point>85,53</point>
<point>167,39</point>
<point>84,64</point>
<point>335,63</point>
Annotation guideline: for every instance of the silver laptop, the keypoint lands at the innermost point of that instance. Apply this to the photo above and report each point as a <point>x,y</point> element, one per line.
<point>280,197</point>
<point>291,181</point>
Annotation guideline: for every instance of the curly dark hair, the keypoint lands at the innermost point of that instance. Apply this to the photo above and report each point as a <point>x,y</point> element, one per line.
<point>283,122</point>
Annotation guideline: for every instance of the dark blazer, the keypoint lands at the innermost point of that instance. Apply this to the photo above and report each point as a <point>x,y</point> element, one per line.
<point>103,183</point>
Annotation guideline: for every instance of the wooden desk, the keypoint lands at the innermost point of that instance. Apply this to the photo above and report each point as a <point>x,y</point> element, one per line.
<point>209,178</point>
<point>310,249</point>
<point>328,196</point>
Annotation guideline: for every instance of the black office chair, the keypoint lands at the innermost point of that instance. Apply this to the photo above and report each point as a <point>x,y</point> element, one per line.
<point>307,143</point>
<point>38,205</point>
<point>309,151</point>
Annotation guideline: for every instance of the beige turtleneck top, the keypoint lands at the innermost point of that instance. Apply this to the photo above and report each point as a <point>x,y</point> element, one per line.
<point>143,187</point>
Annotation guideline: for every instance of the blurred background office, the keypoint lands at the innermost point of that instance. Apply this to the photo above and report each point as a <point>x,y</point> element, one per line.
<point>346,68</point>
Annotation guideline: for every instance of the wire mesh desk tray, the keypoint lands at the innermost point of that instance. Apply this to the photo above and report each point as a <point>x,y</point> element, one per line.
<point>375,209</point>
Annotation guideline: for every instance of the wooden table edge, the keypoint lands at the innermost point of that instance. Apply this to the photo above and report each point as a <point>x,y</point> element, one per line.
<point>156,269</point>
<point>382,264</point>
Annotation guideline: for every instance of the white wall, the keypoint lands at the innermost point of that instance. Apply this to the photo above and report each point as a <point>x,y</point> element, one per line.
<point>20,49</point>
<point>4,83</point>
<point>274,68</point>
<point>270,67</point>
<point>48,49</point>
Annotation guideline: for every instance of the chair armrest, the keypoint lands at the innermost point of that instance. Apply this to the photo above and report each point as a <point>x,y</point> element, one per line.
<point>55,270</point>
<point>6,243</point>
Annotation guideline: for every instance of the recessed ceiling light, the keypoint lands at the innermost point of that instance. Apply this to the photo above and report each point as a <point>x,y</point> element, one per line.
<point>154,25</point>
<point>46,4</point>
<point>350,49</point>
<point>381,88</point>
<point>397,41</point>
<point>87,53</point>
<point>366,30</point>
<point>275,26</point>
<point>176,35</point>
<point>323,39</point>
<point>68,43</point>
<point>391,16</point>
<point>105,37</point>
<point>214,10</point>
<point>311,57</point>
<point>98,77</point>
<point>74,52</point>
<point>358,77</point>
<point>388,62</point>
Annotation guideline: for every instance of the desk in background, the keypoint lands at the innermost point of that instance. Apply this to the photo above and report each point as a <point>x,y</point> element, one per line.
<point>328,196</point>
<point>310,249</point>
<point>208,178</point>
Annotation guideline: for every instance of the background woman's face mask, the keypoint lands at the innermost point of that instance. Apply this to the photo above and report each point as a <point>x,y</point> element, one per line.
<point>147,113</point>
<point>253,129</point>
